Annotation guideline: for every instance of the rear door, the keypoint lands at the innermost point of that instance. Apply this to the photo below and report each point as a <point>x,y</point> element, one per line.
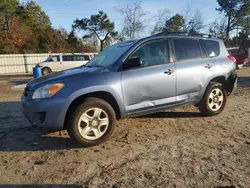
<point>68,61</point>
<point>193,69</point>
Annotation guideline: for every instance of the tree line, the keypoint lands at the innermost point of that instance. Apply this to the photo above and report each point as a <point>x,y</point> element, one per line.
<point>25,28</point>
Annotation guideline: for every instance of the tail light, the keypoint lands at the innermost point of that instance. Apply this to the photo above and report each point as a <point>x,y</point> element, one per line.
<point>245,61</point>
<point>232,58</point>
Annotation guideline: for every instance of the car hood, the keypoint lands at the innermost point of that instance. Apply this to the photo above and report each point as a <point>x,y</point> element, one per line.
<point>62,76</point>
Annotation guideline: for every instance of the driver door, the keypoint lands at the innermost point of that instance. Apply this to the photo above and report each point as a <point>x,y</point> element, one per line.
<point>152,85</point>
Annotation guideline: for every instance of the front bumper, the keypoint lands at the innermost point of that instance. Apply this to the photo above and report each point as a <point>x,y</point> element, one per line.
<point>46,113</point>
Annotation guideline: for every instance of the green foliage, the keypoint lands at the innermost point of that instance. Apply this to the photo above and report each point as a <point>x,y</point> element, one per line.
<point>7,10</point>
<point>174,24</point>
<point>99,25</point>
<point>235,11</point>
<point>25,28</point>
<point>33,16</point>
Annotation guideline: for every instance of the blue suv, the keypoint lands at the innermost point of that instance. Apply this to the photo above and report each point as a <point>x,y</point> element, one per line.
<point>129,79</point>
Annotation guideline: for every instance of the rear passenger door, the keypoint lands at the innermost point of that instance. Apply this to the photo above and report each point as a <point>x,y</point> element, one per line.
<point>193,69</point>
<point>68,62</point>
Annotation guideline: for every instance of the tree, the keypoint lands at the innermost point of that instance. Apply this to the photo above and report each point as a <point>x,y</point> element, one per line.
<point>33,16</point>
<point>218,28</point>
<point>246,26</point>
<point>174,24</point>
<point>160,20</point>
<point>235,11</point>
<point>7,10</point>
<point>195,24</point>
<point>14,39</point>
<point>99,25</point>
<point>134,19</point>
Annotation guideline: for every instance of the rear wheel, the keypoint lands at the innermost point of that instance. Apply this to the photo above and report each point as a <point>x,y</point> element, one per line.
<point>214,100</point>
<point>46,71</point>
<point>92,122</point>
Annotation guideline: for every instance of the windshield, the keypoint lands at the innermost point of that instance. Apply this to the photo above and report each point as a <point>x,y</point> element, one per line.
<point>53,59</point>
<point>109,55</point>
<point>48,59</point>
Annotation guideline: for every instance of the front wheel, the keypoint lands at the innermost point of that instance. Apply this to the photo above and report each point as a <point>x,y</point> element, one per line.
<point>92,122</point>
<point>214,100</point>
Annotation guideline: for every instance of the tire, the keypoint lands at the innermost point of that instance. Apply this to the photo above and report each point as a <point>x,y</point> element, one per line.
<point>87,118</point>
<point>212,107</point>
<point>46,71</point>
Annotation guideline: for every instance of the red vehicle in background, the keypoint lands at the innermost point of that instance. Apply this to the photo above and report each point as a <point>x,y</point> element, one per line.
<point>241,55</point>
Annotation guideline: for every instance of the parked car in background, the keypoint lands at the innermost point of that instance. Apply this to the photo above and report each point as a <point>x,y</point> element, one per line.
<point>241,55</point>
<point>130,79</point>
<point>55,63</point>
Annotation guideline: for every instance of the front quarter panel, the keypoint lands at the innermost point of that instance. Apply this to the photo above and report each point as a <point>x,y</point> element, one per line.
<point>103,82</point>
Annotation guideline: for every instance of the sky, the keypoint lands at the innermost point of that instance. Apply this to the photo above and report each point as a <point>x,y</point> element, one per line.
<point>62,13</point>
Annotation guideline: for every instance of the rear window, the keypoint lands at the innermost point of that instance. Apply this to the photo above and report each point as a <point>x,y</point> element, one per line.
<point>211,47</point>
<point>186,49</point>
<point>233,52</point>
<point>68,58</point>
<point>76,58</point>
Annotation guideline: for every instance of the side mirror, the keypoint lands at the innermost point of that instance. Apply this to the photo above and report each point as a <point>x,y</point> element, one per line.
<point>133,62</point>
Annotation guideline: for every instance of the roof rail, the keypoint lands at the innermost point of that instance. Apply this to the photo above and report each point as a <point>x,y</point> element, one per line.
<point>187,34</point>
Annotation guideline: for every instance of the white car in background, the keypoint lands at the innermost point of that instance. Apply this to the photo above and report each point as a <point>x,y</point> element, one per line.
<point>55,63</point>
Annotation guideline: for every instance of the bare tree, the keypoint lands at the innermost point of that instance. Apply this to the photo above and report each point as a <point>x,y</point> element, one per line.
<point>160,20</point>
<point>193,20</point>
<point>134,19</point>
<point>196,22</point>
<point>218,27</point>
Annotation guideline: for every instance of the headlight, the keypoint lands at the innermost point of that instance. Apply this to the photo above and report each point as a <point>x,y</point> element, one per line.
<point>47,91</point>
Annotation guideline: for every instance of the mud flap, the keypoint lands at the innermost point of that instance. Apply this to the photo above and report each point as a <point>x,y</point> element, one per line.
<point>231,83</point>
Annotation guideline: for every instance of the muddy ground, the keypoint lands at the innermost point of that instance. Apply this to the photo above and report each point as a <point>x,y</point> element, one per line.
<point>176,148</point>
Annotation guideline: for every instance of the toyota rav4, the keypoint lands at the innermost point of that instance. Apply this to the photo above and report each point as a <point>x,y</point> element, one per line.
<point>129,79</point>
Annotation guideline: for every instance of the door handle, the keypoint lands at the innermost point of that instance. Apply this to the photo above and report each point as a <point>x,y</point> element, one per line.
<point>169,72</point>
<point>208,66</point>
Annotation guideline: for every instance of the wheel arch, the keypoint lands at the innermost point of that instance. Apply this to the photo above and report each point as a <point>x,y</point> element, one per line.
<point>104,95</point>
<point>46,67</point>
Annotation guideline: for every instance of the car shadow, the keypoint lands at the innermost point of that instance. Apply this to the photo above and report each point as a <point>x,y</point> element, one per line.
<point>19,82</point>
<point>40,186</point>
<point>244,81</point>
<point>173,115</point>
<point>16,134</point>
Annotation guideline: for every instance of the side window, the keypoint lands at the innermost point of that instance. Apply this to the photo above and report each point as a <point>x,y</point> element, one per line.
<point>212,47</point>
<point>68,58</point>
<point>233,52</point>
<point>86,58</point>
<point>241,52</point>
<point>79,58</point>
<point>54,59</point>
<point>186,49</point>
<point>153,53</point>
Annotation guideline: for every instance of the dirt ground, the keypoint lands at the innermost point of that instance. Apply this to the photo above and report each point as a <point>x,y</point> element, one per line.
<point>176,148</point>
